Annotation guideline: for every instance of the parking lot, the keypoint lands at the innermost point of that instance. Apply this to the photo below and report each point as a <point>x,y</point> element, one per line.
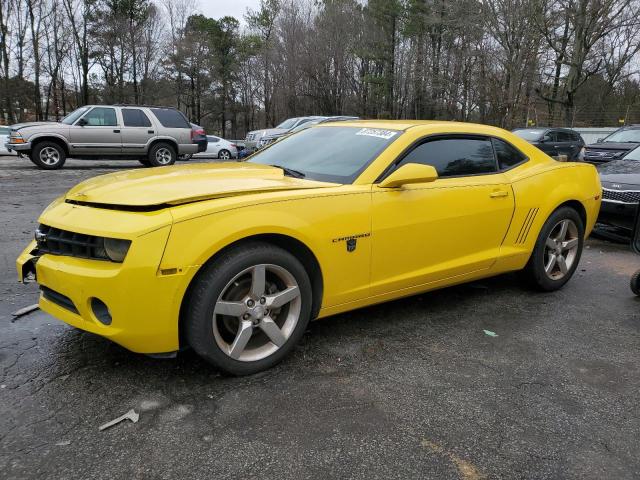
<point>409,389</point>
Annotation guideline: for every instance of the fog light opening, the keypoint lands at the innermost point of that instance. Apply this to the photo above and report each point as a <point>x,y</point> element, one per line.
<point>101,311</point>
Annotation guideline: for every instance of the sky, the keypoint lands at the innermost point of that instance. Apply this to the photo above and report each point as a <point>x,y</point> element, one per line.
<point>234,8</point>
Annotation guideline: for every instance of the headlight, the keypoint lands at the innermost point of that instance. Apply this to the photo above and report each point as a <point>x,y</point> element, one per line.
<point>116,249</point>
<point>15,137</point>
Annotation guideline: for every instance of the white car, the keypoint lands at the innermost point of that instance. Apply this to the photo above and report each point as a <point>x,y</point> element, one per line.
<point>218,148</point>
<point>4,138</point>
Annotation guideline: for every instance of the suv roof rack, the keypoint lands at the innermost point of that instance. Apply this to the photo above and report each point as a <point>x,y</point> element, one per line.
<point>146,106</point>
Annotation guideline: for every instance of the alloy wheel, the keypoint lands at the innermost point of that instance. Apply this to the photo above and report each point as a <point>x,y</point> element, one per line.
<point>163,156</point>
<point>256,312</point>
<point>224,155</point>
<point>49,156</point>
<point>561,249</point>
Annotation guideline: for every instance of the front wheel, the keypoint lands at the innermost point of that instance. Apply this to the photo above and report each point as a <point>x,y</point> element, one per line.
<point>162,154</point>
<point>246,311</point>
<point>48,156</point>
<point>557,251</point>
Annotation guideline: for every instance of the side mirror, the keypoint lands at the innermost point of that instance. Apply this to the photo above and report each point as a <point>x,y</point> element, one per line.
<point>545,139</point>
<point>599,140</point>
<point>408,174</point>
<point>82,122</point>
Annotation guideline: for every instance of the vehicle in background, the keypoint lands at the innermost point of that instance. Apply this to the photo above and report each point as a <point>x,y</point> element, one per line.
<point>620,181</point>
<point>219,148</point>
<point>155,136</point>
<point>614,146</point>
<point>4,138</point>
<point>554,141</point>
<point>269,139</point>
<point>253,137</point>
<point>199,137</point>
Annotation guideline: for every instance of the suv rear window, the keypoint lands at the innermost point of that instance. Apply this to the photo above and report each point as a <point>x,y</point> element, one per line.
<point>135,118</point>
<point>170,118</point>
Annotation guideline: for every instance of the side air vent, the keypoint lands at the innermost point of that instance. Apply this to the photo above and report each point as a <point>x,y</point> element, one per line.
<point>526,226</point>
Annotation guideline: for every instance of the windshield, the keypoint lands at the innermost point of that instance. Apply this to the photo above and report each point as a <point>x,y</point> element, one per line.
<point>288,123</point>
<point>633,155</point>
<point>329,154</point>
<point>304,126</point>
<point>75,115</point>
<point>623,136</point>
<point>529,135</point>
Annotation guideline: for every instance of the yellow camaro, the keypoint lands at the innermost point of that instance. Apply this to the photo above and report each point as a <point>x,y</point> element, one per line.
<point>234,259</point>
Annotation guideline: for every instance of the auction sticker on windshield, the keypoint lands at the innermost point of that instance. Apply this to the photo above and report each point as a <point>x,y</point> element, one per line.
<point>377,132</point>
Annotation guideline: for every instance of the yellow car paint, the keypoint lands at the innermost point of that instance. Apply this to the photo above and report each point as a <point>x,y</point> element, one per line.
<point>410,239</point>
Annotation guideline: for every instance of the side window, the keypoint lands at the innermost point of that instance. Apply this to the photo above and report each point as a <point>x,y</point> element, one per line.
<point>507,155</point>
<point>455,156</point>
<point>213,139</point>
<point>170,118</point>
<point>134,117</point>
<point>101,117</point>
<point>565,137</point>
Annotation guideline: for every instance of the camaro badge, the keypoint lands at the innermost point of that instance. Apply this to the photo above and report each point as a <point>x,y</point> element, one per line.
<point>351,240</point>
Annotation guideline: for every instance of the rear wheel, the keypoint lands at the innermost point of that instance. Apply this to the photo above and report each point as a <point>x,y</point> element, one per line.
<point>557,251</point>
<point>224,154</point>
<point>162,154</point>
<point>48,156</point>
<point>247,310</point>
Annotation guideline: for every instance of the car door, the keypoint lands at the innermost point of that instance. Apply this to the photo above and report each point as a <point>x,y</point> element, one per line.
<point>213,145</point>
<point>455,225</point>
<point>565,144</point>
<point>548,143</point>
<point>97,132</point>
<point>137,131</point>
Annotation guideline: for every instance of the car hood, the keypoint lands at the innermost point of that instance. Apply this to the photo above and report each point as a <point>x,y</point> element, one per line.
<point>21,126</point>
<point>623,172</point>
<point>165,186</point>
<point>612,146</point>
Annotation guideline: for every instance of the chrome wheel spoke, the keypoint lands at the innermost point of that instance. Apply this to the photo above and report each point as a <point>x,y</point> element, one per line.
<point>550,263</point>
<point>234,309</point>
<point>551,243</point>
<point>245,330</point>
<point>564,226</point>
<point>282,298</point>
<point>258,280</point>
<point>271,329</point>
<point>569,244</point>
<point>562,264</point>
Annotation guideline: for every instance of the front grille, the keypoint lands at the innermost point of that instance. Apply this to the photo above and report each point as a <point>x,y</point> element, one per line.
<point>62,242</point>
<point>58,299</point>
<point>623,196</point>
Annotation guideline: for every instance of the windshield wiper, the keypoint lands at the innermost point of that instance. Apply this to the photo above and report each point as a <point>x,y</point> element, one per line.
<point>290,171</point>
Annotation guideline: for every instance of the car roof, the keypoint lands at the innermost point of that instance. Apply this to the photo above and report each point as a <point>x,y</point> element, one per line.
<point>407,124</point>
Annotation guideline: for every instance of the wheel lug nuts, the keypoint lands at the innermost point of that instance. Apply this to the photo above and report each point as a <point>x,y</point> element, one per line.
<point>246,316</point>
<point>263,300</point>
<point>250,303</point>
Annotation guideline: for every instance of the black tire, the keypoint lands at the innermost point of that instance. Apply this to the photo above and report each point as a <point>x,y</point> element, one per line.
<point>48,155</point>
<point>634,283</point>
<point>210,284</point>
<point>224,154</point>
<point>144,161</point>
<point>162,150</point>
<point>534,273</point>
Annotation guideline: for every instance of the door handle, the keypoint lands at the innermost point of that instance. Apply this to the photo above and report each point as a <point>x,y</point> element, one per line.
<point>499,193</point>
<point>150,131</point>
<point>117,130</point>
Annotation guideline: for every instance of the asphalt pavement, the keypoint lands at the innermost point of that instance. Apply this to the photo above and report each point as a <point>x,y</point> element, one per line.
<point>409,389</point>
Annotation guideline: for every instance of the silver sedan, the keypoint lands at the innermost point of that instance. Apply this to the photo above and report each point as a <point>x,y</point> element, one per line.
<point>218,148</point>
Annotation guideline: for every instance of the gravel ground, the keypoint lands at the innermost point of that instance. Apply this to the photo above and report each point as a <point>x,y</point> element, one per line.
<point>408,389</point>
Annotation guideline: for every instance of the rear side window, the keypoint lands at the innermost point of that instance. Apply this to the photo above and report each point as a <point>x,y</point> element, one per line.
<point>454,157</point>
<point>170,118</point>
<point>213,139</point>
<point>565,137</point>
<point>134,117</point>
<point>101,117</point>
<point>507,155</point>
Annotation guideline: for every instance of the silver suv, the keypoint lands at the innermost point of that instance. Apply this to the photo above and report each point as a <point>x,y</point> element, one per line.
<point>155,136</point>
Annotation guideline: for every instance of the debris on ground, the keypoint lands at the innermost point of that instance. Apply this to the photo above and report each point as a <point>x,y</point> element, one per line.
<point>25,310</point>
<point>63,443</point>
<point>489,333</point>
<point>130,415</point>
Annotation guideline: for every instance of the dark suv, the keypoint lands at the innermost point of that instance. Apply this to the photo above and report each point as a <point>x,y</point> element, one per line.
<point>155,136</point>
<point>554,141</point>
<point>614,146</point>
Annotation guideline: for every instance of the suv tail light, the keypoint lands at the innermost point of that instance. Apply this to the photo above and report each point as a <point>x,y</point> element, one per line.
<point>195,133</point>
